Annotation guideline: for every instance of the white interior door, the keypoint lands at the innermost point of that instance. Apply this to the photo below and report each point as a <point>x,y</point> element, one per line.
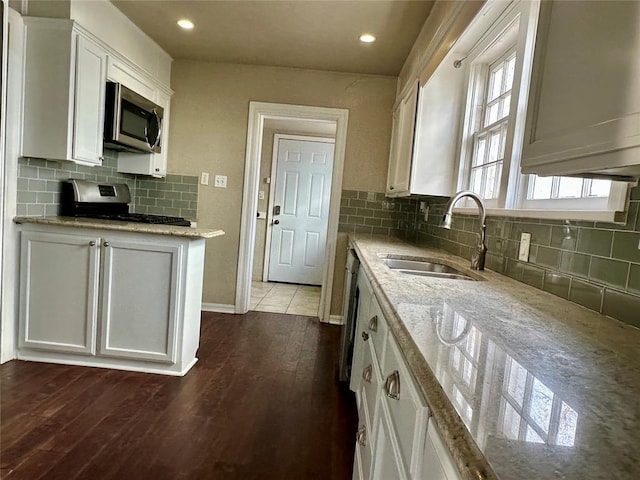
<point>300,211</point>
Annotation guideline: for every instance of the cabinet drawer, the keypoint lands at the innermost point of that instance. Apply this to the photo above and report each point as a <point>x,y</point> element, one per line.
<point>437,463</point>
<point>407,411</point>
<point>377,329</point>
<point>364,446</point>
<point>371,381</point>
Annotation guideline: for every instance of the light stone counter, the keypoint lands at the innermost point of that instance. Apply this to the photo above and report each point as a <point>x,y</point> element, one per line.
<point>521,383</point>
<point>94,223</point>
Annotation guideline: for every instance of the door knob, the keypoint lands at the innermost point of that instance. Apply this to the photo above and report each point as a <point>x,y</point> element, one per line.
<point>276,222</point>
<point>106,244</point>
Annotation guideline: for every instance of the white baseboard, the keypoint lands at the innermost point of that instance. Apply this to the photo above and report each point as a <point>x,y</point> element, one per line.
<point>336,320</point>
<point>218,308</point>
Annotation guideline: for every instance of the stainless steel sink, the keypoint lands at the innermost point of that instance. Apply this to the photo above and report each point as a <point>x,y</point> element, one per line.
<point>426,268</point>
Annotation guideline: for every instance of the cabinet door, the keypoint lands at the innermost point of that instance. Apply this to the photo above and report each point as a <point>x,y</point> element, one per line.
<point>386,464</point>
<point>364,294</point>
<point>58,292</point>
<point>437,462</point>
<point>88,119</point>
<point>139,299</point>
<point>402,148</point>
<point>584,103</point>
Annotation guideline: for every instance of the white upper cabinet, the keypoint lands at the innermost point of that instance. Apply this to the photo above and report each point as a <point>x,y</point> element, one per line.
<point>404,120</point>
<point>64,86</point>
<point>584,105</point>
<point>425,132</point>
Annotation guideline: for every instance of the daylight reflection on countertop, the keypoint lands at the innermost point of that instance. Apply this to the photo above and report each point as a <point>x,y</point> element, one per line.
<point>545,388</point>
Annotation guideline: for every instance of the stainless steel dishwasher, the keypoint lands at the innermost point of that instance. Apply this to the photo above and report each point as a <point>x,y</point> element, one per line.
<point>349,313</point>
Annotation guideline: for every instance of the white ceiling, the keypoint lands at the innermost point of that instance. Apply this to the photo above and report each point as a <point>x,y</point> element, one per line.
<point>313,34</point>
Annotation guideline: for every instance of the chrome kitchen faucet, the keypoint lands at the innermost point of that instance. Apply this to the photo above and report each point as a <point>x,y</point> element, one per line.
<point>479,254</point>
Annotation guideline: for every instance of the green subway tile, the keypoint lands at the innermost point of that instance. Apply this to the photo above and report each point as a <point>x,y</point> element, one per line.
<point>190,179</point>
<point>634,279</point>
<point>586,294</point>
<point>45,197</point>
<point>610,272</point>
<point>157,193</point>
<point>172,178</point>
<point>192,197</point>
<point>533,276</point>
<point>364,212</point>
<point>348,211</point>
<point>46,173</point>
<point>565,237</point>
<point>355,220</point>
<point>622,306</point>
<point>595,242</point>
<point>635,193</point>
<point>349,194</point>
<point>37,185</point>
<point>540,234</point>
<point>514,269</point>
<point>147,201</point>
<point>180,204</point>
<point>54,186</point>
<point>27,197</point>
<point>193,188</point>
<point>556,284</point>
<point>141,192</point>
<point>626,246</point>
<point>548,257</point>
<point>344,202</point>
<point>26,171</point>
<point>380,231</point>
<point>23,184</point>
<point>374,222</point>
<point>161,202</point>
<point>51,210</point>
<point>357,203</point>
<point>362,229</point>
<point>193,205</point>
<point>171,211</point>
<point>178,187</point>
<point>575,263</point>
<point>35,210</point>
<point>173,195</point>
<point>21,209</point>
<point>149,185</point>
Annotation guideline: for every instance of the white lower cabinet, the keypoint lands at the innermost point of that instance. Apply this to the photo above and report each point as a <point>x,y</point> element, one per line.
<point>396,439</point>
<point>113,299</point>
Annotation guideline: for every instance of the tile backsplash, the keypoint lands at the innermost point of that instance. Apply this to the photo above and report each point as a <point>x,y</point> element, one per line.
<point>594,264</point>
<point>39,184</point>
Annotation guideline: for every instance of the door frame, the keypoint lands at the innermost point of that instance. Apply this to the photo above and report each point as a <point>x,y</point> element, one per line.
<point>274,166</point>
<point>258,113</point>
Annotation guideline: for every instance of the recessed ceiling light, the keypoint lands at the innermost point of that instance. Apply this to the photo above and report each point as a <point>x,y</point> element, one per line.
<point>367,38</point>
<point>186,24</point>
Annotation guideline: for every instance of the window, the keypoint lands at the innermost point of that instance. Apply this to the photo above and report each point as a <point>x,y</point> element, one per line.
<point>497,50</point>
<point>490,136</point>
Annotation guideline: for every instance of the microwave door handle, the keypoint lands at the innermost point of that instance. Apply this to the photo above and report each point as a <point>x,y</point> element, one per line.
<point>159,134</point>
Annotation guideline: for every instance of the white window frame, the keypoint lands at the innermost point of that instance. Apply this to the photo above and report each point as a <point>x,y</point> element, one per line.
<point>512,198</point>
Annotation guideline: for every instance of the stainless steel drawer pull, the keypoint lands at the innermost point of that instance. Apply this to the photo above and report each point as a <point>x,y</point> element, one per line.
<point>366,373</point>
<point>365,336</point>
<point>392,385</point>
<point>373,324</point>
<point>362,436</point>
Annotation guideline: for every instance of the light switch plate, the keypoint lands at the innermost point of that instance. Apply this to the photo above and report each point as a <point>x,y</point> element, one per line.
<point>525,245</point>
<point>220,181</point>
<point>204,178</point>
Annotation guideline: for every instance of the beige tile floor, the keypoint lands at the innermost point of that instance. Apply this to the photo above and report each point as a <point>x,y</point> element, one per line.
<point>284,298</point>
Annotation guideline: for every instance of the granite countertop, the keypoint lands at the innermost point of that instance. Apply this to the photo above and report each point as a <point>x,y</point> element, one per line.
<point>522,384</point>
<point>94,223</point>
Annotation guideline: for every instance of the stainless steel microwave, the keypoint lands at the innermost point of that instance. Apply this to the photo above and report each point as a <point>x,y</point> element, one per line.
<point>131,122</point>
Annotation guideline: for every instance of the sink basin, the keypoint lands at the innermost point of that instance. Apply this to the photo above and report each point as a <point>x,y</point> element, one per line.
<point>426,268</point>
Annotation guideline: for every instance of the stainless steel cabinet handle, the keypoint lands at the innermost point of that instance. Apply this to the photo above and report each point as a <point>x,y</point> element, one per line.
<point>92,243</point>
<point>365,336</point>
<point>392,385</point>
<point>362,436</point>
<point>106,244</point>
<point>373,323</point>
<point>366,373</point>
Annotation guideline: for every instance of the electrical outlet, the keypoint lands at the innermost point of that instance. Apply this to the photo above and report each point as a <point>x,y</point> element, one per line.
<point>204,178</point>
<point>525,245</point>
<point>261,195</point>
<point>220,181</point>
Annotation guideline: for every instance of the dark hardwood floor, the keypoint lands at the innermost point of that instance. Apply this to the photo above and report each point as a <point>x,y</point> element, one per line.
<point>262,403</point>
